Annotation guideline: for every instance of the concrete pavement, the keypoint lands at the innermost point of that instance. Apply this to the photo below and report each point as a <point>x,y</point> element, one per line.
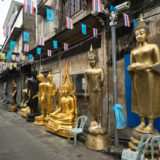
<point>20,140</point>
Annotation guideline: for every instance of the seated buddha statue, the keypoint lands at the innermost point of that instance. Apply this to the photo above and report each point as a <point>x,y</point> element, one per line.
<point>13,108</point>
<point>65,116</point>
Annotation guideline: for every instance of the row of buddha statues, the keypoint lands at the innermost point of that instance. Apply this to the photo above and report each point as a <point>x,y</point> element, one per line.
<point>144,71</point>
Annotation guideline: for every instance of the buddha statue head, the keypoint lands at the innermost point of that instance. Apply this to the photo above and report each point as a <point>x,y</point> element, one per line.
<point>14,83</point>
<point>92,57</point>
<point>49,77</point>
<point>41,77</point>
<point>66,89</point>
<point>142,31</point>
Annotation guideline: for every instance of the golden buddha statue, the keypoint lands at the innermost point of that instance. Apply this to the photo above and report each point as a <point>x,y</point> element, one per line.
<point>97,138</point>
<point>50,93</point>
<point>65,116</point>
<point>25,109</point>
<point>39,120</point>
<point>24,97</point>
<point>145,79</point>
<point>14,96</point>
<point>94,78</point>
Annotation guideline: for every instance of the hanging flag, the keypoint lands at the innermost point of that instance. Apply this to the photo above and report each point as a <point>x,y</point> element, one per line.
<point>113,8</point>
<point>6,30</point>
<point>15,65</point>
<point>9,54</point>
<point>25,36</point>
<point>69,23</point>
<point>134,23</point>
<point>12,44</point>
<point>126,20</point>
<point>49,53</point>
<point>39,51</point>
<point>7,65</point>
<point>26,48</point>
<point>23,58</point>
<point>41,41</point>
<point>3,56</point>
<point>17,59</point>
<point>10,65</point>
<point>55,44</point>
<point>95,32</point>
<point>13,57</point>
<point>96,5</point>
<point>28,6</point>
<point>4,67</point>
<point>84,29</point>
<point>50,15</point>
<point>30,57</point>
<point>65,46</point>
<point>20,56</point>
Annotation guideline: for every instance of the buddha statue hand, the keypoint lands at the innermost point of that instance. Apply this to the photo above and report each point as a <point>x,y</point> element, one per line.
<point>136,66</point>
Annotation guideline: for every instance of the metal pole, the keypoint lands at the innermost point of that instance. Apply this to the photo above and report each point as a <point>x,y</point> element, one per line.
<point>114,65</point>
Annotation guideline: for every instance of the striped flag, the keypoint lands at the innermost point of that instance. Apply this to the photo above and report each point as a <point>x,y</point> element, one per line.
<point>28,6</point>
<point>6,30</point>
<point>20,56</point>
<point>13,57</point>
<point>49,53</point>
<point>69,23</point>
<point>95,32</point>
<point>17,59</point>
<point>41,41</point>
<point>96,6</point>
<point>65,46</point>
<point>7,65</point>
<point>26,48</point>
<point>126,20</point>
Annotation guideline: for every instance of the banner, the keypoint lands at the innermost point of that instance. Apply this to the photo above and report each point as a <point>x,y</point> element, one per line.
<point>3,56</point>
<point>38,51</point>
<point>84,29</point>
<point>55,44</point>
<point>50,15</point>
<point>12,44</point>
<point>25,36</point>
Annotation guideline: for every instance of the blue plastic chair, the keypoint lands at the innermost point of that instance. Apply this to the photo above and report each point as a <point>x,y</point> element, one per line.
<point>154,139</point>
<point>77,130</point>
<point>139,154</point>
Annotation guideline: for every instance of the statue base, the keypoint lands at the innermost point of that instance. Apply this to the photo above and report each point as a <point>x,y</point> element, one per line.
<point>97,139</point>
<point>59,129</point>
<point>25,112</point>
<point>135,139</point>
<point>13,108</point>
<point>39,120</point>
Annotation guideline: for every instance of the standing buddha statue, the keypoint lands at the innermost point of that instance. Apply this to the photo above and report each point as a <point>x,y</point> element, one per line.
<point>50,93</point>
<point>65,116</point>
<point>14,96</point>
<point>145,83</point>
<point>39,120</point>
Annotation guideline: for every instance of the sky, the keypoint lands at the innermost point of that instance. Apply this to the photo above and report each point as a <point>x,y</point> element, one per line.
<point>4,7</point>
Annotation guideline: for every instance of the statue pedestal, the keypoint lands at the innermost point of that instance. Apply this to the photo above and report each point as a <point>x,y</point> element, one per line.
<point>135,139</point>
<point>97,139</point>
<point>13,108</point>
<point>39,120</point>
<point>25,112</point>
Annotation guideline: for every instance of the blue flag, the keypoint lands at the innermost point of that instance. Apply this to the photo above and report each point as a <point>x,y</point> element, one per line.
<point>9,54</point>
<point>39,51</point>
<point>55,44</point>
<point>25,36</point>
<point>30,57</point>
<point>50,15</point>
<point>134,23</point>
<point>112,8</point>
<point>84,29</point>
<point>12,44</point>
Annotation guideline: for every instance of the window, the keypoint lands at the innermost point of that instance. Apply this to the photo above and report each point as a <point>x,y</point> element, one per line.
<point>79,83</point>
<point>76,5</point>
<point>46,27</point>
